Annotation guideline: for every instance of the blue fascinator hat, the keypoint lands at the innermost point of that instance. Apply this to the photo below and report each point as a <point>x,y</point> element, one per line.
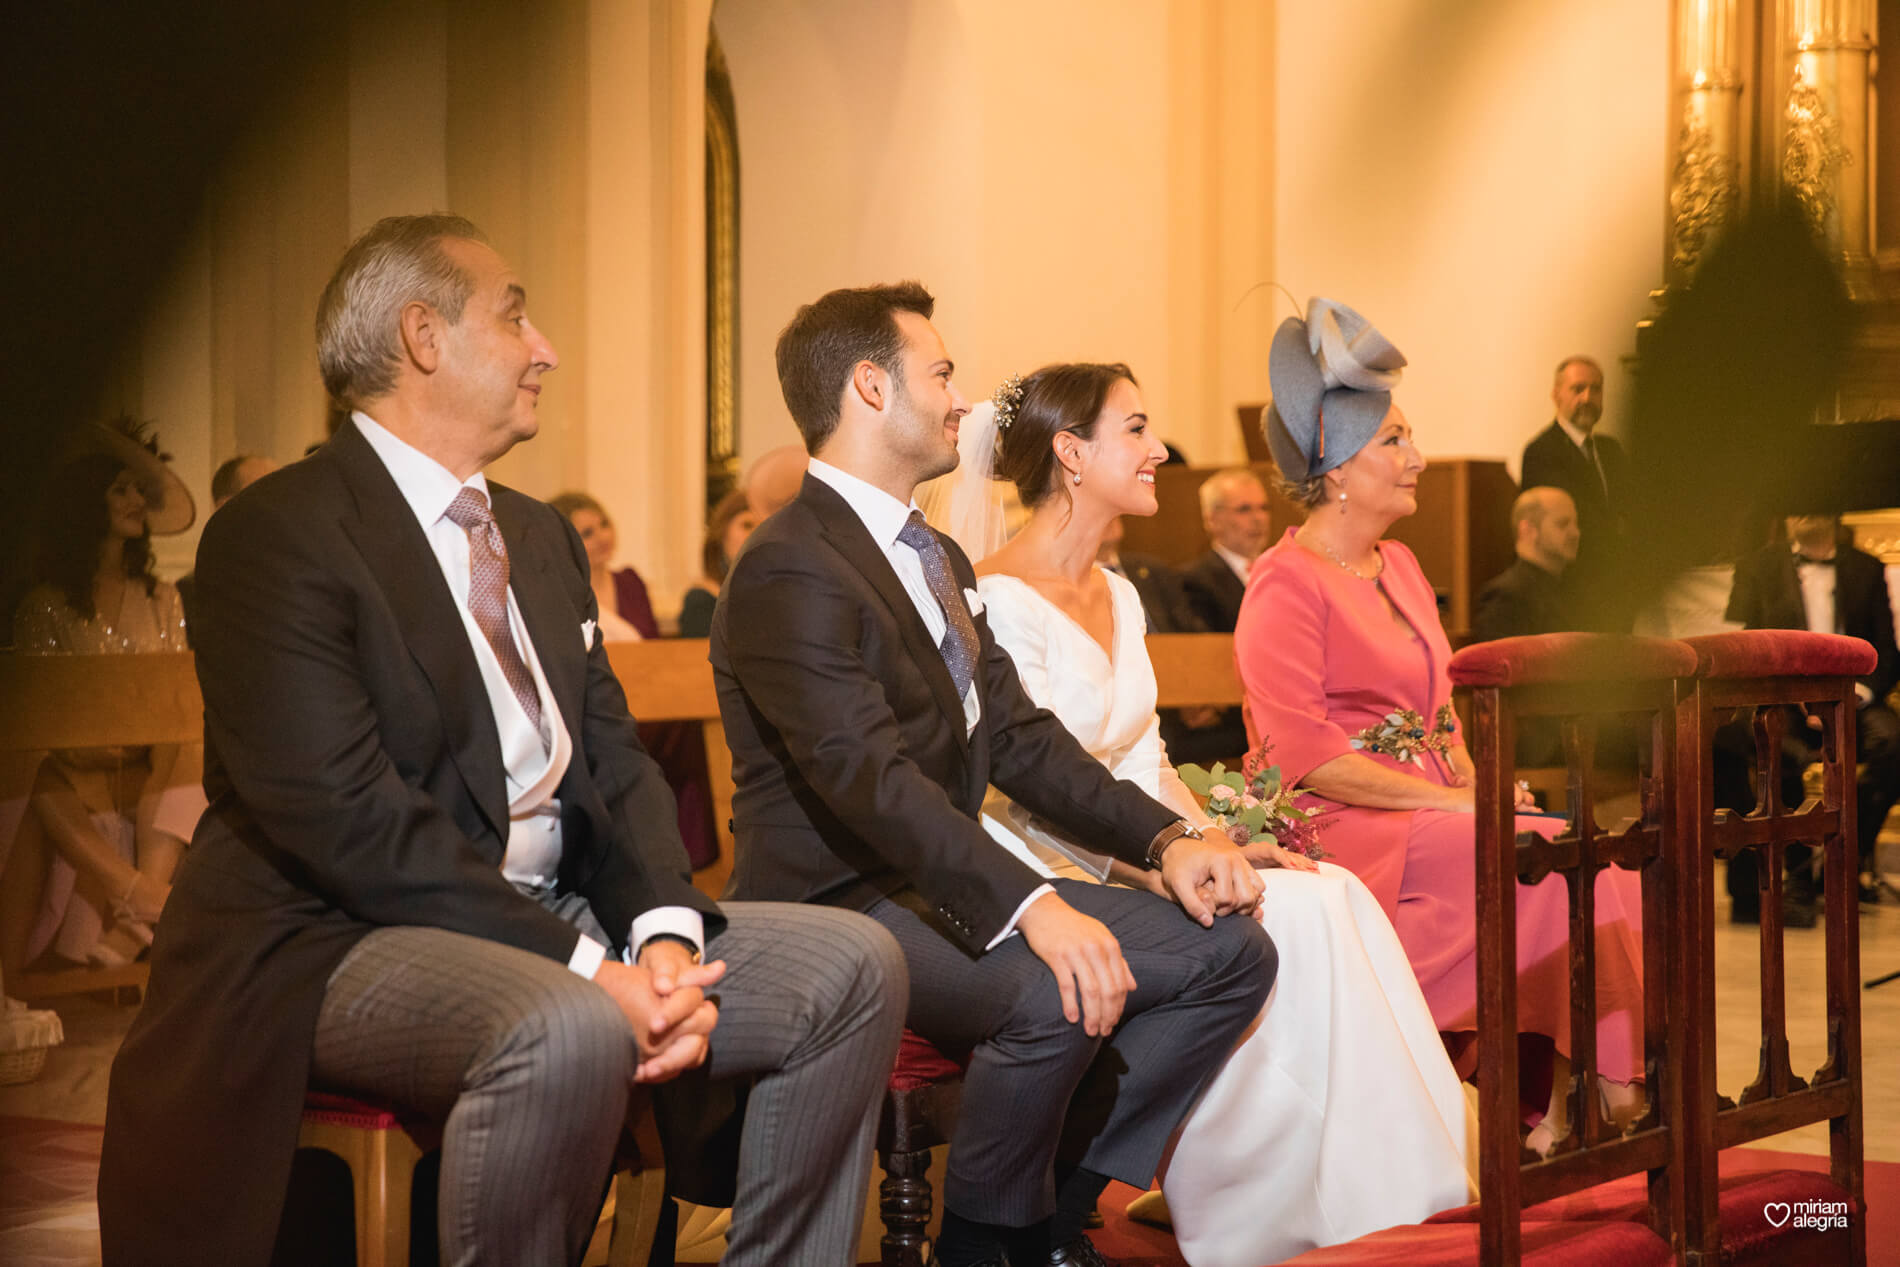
<point>1332,377</point>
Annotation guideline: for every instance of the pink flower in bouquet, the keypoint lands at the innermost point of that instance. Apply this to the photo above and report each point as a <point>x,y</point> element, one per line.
<point>1239,833</point>
<point>1249,800</point>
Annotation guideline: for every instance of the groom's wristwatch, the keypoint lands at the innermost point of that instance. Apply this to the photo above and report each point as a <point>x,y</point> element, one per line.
<point>1167,836</point>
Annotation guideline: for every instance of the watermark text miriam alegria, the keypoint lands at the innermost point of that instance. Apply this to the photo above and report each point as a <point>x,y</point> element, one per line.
<point>1819,1216</point>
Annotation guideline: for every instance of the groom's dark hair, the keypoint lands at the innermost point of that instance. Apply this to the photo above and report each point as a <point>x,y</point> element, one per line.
<point>826,339</point>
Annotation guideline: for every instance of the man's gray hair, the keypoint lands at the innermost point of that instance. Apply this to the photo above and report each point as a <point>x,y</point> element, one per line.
<point>398,261</point>
<point>1214,487</point>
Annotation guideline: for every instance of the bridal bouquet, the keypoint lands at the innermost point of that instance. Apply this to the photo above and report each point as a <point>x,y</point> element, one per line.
<point>1254,801</point>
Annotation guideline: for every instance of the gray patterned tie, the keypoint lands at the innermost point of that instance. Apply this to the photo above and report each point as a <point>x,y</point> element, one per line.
<point>488,595</point>
<point>958,647</point>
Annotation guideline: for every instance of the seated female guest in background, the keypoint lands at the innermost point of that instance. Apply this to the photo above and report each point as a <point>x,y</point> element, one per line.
<point>90,845</point>
<point>1339,629</point>
<point>1339,1113</point>
<point>626,615</point>
<point>730,523</point>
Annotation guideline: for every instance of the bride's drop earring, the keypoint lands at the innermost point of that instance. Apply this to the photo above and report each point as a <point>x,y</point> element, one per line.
<point>1078,477</point>
<point>1342,499</point>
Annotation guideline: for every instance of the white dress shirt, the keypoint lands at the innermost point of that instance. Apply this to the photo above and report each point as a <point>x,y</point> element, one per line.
<point>883,516</point>
<point>533,760</point>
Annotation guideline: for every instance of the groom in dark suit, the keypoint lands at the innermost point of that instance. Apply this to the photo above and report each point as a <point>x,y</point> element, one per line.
<point>868,708</point>
<point>437,868</point>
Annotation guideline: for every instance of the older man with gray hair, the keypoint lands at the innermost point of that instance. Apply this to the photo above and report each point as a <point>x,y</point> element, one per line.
<point>1234,512</point>
<point>438,869</point>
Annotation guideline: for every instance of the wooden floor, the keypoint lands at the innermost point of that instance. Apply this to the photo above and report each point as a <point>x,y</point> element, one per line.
<point>74,1085</point>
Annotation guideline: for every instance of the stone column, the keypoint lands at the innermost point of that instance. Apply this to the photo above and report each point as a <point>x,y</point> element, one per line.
<point>1705,183</point>
<point>1824,150</point>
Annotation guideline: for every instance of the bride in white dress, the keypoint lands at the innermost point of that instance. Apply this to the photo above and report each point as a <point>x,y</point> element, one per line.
<point>1339,1113</point>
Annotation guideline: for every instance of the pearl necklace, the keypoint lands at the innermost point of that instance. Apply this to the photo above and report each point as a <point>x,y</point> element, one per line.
<point>1349,568</point>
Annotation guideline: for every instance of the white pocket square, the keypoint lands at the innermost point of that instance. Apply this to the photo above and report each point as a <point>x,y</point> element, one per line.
<point>587,634</point>
<point>975,600</point>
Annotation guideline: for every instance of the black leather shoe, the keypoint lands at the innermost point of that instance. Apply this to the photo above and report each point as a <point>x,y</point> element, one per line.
<point>1080,1252</point>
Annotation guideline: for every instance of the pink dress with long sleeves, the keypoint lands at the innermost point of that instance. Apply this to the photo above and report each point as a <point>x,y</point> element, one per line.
<point>1323,656</point>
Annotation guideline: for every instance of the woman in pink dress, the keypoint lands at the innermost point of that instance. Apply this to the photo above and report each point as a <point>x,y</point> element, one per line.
<point>1338,635</point>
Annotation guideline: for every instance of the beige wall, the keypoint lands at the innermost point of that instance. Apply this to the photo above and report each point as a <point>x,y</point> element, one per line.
<point>1074,179</point>
<point>1484,181</point>
<point>1110,180</point>
<point>570,131</point>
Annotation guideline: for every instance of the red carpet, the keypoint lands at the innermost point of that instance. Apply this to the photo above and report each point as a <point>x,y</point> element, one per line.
<point>1137,1245</point>
<point>48,1169</point>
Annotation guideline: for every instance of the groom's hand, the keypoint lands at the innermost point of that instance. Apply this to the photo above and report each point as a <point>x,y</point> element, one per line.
<point>1210,877</point>
<point>1086,959</point>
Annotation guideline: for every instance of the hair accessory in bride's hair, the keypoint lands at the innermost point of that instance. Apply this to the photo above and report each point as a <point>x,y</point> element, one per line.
<point>1006,398</point>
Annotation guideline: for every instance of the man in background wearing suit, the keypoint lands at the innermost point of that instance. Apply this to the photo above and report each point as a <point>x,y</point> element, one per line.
<point>1818,581</point>
<point>437,869</point>
<point>869,709</point>
<point>1573,455</point>
<point>1530,596</point>
<point>1234,512</point>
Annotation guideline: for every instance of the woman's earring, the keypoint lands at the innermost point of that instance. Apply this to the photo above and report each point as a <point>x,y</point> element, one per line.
<point>1342,497</point>
<point>1078,477</point>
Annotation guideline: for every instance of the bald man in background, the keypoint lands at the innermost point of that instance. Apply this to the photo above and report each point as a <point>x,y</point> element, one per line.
<point>1530,596</point>
<point>774,478</point>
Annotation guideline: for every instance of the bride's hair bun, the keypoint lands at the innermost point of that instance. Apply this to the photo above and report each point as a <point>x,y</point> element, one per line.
<point>1056,398</point>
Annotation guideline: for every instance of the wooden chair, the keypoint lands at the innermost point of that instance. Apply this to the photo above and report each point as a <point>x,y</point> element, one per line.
<point>1588,682</point>
<point>1765,674</point>
<point>920,1112</point>
<point>1676,1207</point>
<point>382,1147</point>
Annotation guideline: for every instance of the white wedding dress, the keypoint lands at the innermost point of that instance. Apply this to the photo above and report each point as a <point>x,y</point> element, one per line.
<point>1338,1114</point>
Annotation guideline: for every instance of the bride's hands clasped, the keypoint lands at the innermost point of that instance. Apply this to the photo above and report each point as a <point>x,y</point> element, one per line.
<point>1264,854</point>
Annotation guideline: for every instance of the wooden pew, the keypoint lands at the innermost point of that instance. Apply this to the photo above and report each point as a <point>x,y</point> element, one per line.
<point>127,701</point>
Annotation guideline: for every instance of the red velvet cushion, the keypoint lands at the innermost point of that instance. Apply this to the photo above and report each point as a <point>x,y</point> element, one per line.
<point>1456,1245</point>
<point>919,1064</point>
<point>342,1110</point>
<point>1781,653</point>
<point>1570,657</point>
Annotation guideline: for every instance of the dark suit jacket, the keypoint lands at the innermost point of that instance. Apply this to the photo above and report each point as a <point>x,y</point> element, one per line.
<point>1767,595</point>
<point>355,779</point>
<point>854,776</point>
<point>1551,459</point>
<point>1163,595</point>
<point>1521,600</point>
<point>1213,592</point>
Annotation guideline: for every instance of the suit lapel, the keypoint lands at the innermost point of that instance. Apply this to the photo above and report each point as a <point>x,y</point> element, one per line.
<point>393,545</point>
<point>852,539</point>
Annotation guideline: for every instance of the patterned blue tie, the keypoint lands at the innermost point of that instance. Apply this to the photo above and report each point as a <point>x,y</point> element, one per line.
<point>958,647</point>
